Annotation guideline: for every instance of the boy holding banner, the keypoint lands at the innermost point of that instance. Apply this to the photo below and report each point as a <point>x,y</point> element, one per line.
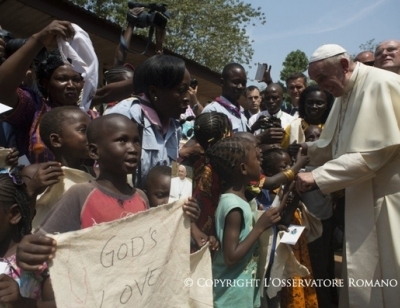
<point>114,141</point>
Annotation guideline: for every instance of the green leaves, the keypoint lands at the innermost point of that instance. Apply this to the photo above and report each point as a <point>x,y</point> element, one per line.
<point>295,62</point>
<point>368,46</point>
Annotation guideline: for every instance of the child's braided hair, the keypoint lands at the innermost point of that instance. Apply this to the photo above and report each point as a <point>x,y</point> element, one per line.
<point>226,154</point>
<point>209,127</point>
<point>13,191</point>
<point>268,162</point>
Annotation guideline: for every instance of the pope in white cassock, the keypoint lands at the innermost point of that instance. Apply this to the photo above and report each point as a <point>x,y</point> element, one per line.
<point>181,187</point>
<point>359,150</point>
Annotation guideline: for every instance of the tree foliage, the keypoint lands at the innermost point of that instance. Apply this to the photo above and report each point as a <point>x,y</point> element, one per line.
<point>211,32</point>
<point>295,62</point>
<point>368,46</point>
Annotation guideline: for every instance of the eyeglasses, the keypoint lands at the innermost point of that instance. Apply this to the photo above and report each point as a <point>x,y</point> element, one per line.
<point>389,49</point>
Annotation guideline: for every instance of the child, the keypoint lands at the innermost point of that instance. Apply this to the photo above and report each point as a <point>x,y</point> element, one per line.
<point>63,131</point>
<point>209,128</point>
<point>278,179</point>
<point>115,143</point>
<point>276,161</point>
<point>17,287</point>
<point>312,133</point>
<point>158,185</point>
<point>236,162</point>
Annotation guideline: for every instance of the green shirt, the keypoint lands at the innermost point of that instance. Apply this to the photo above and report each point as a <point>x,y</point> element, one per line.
<point>235,286</point>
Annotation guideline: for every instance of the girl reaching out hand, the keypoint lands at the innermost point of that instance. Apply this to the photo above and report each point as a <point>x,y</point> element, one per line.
<point>237,163</point>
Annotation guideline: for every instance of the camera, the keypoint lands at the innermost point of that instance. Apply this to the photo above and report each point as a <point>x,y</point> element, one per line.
<point>157,15</point>
<point>12,44</point>
<point>270,122</point>
<point>6,35</point>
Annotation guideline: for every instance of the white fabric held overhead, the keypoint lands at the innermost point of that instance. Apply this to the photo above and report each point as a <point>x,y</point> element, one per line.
<point>83,60</point>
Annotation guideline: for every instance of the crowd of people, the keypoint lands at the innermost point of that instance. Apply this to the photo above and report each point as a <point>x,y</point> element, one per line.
<point>260,162</point>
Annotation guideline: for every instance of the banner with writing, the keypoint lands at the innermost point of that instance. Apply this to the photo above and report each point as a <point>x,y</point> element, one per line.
<point>201,290</point>
<point>138,261</point>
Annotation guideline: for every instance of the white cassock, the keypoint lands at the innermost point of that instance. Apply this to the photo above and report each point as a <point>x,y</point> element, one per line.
<point>359,150</point>
<point>180,189</point>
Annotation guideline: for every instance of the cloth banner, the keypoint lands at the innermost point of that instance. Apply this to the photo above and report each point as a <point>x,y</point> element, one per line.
<point>138,261</point>
<point>53,193</point>
<point>201,289</point>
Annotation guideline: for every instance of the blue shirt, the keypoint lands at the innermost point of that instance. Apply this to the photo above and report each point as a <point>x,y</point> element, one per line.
<point>238,125</point>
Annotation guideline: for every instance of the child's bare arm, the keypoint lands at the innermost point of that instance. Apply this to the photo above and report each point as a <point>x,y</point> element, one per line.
<point>235,251</point>
<point>199,237</point>
<point>280,178</point>
<point>191,209</point>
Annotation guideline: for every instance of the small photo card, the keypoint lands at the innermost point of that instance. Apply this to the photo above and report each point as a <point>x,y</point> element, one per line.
<point>181,182</point>
<point>292,236</point>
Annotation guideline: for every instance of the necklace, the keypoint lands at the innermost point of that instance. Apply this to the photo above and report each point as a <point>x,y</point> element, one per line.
<point>182,184</point>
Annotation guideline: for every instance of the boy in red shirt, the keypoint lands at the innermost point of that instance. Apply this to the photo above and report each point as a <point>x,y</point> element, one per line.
<point>114,142</point>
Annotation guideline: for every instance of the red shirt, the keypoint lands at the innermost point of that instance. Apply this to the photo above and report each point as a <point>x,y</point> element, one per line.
<point>88,204</point>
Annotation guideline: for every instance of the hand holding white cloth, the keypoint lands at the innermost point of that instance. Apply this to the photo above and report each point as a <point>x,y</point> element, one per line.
<point>84,61</point>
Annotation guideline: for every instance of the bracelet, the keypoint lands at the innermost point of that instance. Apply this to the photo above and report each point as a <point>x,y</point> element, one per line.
<point>289,174</point>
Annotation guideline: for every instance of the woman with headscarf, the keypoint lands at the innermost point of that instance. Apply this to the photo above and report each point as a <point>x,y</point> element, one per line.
<point>59,85</point>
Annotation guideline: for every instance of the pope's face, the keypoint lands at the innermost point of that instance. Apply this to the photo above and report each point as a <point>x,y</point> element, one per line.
<point>182,172</point>
<point>329,77</point>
